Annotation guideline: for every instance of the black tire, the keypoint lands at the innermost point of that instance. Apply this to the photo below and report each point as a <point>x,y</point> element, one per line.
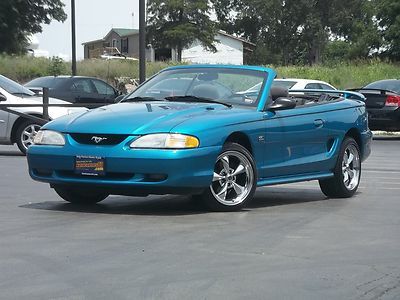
<point>249,177</point>
<point>335,187</point>
<point>22,140</point>
<point>79,195</point>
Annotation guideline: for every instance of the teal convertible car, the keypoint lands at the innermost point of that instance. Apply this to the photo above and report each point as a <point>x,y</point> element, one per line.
<point>198,130</point>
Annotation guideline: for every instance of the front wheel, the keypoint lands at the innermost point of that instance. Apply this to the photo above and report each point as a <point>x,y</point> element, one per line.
<point>234,180</point>
<point>347,172</point>
<point>25,134</point>
<point>78,195</point>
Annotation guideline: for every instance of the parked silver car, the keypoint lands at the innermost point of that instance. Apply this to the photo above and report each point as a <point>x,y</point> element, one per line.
<point>21,130</point>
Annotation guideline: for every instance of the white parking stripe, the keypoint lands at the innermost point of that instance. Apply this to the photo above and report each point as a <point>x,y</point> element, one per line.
<point>383,171</point>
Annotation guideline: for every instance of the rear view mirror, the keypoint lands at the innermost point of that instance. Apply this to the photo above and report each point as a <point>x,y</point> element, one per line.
<point>210,76</point>
<point>282,103</point>
<point>2,97</point>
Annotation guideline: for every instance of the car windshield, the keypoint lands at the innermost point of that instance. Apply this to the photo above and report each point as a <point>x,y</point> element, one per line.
<point>49,82</point>
<point>14,88</point>
<point>225,85</point>
<point>388,85</point>
<point>284,83</point>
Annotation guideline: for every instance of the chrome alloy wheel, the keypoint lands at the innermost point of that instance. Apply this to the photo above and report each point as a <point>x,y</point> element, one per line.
<point>351,167</point>
<point>28,134</point>
<point>233,178</point>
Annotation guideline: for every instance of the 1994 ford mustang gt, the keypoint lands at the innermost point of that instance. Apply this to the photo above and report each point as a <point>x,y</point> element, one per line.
<point>197,130</point>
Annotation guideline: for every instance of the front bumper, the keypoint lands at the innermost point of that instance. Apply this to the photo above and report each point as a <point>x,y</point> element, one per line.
<point>128,171</point>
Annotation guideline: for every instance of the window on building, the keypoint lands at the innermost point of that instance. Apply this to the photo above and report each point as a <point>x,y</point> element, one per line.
<point>124,45</point>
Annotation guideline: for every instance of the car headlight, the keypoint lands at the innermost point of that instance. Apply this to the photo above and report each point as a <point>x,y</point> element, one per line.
<point>166,141</point>
<point>49,137</point>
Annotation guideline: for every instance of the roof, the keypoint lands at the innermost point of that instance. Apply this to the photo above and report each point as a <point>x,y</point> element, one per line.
<point>94,41</point>
<point>235,37</point>
<point>122,32</point>
<point>125,31</point>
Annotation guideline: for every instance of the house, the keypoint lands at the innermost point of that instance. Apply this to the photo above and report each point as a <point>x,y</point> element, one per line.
<point>230,49</point>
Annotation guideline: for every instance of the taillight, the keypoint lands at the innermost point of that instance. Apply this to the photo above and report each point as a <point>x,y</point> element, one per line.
<point>392,100</point>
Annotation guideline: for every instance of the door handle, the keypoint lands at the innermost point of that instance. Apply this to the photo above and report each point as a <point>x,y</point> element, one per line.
<point>319,123</point>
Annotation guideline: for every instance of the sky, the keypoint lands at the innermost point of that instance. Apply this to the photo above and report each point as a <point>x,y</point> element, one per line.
<point>94,19</point>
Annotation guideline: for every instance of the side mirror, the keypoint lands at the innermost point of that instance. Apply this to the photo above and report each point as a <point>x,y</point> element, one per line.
<point>282,103</point>
<point>2,98</point>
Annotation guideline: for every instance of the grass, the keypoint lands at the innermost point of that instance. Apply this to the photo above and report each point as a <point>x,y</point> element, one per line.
<point>344,75</point>
<point>341,75</point>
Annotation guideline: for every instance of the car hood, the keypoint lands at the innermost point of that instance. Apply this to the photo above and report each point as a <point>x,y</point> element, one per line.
<point>138,118</point>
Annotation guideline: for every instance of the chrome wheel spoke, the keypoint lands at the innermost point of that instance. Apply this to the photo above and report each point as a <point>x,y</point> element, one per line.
<point>238,188</point>
<point>239,170</point>
<point>223,191</point>
<point>225,163</point>
<point>345,176</point>
<point>217,177</point>
<point>351,157</point>
<point>351,173</point>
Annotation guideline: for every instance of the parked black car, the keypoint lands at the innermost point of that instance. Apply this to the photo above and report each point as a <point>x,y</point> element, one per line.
<point>383,104</point>
<point>75,89</point>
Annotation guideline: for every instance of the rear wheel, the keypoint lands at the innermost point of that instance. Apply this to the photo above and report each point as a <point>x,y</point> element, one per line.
<point>234,181</point>
<point>25,134</point>
<point>80,195</point>
<point>347,172</point>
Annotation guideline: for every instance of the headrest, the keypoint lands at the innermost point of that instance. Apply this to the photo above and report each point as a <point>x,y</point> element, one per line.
<point>278,91</point>
<point>206,91</point>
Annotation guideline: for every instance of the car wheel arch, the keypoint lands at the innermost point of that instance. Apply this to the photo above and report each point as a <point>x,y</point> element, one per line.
<point>17,123</point>
<point>356,135</point>
<point>241,139</point>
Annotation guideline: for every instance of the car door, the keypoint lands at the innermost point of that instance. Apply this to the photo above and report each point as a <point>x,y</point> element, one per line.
<point>105,92</point>
<point>296,141</point>
<point>84,91</point>
<point>4,116</point>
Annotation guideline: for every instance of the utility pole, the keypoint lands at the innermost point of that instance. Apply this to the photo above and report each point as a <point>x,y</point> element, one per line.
<point>142,40</point>
<point>73,37</point>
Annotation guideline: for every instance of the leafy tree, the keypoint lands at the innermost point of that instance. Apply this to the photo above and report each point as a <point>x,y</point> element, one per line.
<point>297,31</point>
<point>21,18</point>
<point>388,15</point>
<point>178,23</point>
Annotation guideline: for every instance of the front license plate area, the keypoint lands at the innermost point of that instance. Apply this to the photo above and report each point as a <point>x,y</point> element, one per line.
<point>90,165</point>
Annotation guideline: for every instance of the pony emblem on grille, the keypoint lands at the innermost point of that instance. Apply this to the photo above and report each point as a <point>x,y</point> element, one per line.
<point>98,139</point>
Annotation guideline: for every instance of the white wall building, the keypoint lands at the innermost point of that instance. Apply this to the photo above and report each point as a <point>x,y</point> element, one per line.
<point>230,50</point>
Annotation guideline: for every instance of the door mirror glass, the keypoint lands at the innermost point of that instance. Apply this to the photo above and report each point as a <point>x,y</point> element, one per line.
<point>282,103</point>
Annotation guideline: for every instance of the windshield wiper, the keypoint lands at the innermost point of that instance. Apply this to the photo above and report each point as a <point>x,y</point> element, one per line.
<point>189,98</point>
<point>138,99</point>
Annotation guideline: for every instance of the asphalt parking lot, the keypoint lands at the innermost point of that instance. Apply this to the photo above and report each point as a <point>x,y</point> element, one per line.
<point>291,243</point>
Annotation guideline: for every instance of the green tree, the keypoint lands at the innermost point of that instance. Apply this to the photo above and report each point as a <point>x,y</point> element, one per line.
<point>21,18</point>
<point>388,15</point>
<point>297,31</point>
<point>178,23</point>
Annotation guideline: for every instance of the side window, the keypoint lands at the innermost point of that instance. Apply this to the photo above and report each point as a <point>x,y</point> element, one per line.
<point>312,86</point>
<point>82,86</point>
<point>326,87</point>
<point>103,88</point>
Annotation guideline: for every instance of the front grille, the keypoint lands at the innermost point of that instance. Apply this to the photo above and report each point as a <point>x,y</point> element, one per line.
<point>98,139</point>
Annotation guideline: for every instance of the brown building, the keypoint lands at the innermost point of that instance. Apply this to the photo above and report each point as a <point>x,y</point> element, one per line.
<point>118,40</point>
